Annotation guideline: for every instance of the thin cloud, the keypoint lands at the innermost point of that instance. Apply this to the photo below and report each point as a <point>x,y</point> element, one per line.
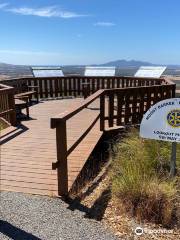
<point>3,5</point>
<point>48,12</point>
<point>104,24</point>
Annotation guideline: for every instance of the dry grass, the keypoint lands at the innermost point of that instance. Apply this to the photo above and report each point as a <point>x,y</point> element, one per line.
<point>3,124</point>
<point>140,178</point>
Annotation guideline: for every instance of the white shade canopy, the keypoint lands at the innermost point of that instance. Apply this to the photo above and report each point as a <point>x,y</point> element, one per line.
<point>153,72</point>
<point>47,72</point>
<point>100,71</point>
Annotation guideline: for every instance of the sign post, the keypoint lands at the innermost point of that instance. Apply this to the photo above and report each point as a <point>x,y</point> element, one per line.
<point>162,122</point>
<point>173,160</point>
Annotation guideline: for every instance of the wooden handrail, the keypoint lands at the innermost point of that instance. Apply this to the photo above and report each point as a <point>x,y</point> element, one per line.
<point>69,151</point>
<point>59,122</point>
<point>64,116</point>
<point>6,112</point>
<point>6,89</point>
<point>87,77</point>
<point>124,96</point>
<point>3,86</point>
<point>127,106</point>
<point>7,103</point>
<point>168,81</point>
<point>128,91</point>
<point>136,88</point>
<point>53,87</point>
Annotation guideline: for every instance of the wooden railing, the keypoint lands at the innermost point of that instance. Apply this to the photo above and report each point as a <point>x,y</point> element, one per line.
<point>54,87</point>
<point>59,122</point>
<point>117,107</point>
<point>127,106</point>
<point>123,101</point>
<point>7,105</point>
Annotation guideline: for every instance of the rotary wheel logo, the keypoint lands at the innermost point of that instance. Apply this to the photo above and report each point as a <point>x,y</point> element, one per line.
<point>173,118</point>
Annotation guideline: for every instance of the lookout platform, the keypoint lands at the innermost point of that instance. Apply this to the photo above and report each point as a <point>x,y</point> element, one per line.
<point>27,151</point>
<point>45,155</point>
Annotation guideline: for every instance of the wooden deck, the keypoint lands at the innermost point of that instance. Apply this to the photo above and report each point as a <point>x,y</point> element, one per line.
<point>27,152</point>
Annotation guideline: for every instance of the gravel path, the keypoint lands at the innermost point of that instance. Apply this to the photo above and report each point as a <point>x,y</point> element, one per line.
<point>26,217</point>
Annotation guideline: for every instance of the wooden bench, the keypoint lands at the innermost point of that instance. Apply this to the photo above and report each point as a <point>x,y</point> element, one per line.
<point>28,91</point>
<point>21,104</point>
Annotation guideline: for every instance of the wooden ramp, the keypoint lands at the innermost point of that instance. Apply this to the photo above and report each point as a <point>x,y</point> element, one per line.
<point>27,152</point>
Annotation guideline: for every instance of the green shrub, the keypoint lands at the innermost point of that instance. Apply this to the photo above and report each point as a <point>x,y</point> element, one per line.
<point>140,178</point>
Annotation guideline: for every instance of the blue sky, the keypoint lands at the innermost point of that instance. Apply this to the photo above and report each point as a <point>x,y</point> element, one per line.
<point>89,31</point>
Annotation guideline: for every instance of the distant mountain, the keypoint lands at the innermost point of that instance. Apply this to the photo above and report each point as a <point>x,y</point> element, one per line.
<point>125,63</point>
<point>136,64</point>
<point>123,68</point>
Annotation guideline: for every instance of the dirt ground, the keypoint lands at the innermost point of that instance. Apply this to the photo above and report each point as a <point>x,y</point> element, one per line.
<point>104,208</point>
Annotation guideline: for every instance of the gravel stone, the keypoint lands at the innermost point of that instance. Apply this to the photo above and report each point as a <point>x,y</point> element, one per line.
<point>30,217</point>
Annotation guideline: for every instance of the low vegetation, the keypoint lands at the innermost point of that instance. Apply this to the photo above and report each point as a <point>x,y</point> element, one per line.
<point>140,178</point>
<point>3,124</point>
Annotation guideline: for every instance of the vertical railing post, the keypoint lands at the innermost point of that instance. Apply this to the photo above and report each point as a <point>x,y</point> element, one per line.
<point>86,90</point>
<point>62,166</point>
<point>11,103</point>
<point>111,109</point>
<point>173,91</point>
<point>102,112</point>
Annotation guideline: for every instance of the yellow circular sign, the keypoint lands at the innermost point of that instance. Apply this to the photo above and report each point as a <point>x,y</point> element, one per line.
<point>173,118</point>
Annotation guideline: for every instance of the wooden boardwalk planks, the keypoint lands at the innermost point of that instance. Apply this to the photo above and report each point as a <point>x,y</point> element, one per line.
<point>27,153</point>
